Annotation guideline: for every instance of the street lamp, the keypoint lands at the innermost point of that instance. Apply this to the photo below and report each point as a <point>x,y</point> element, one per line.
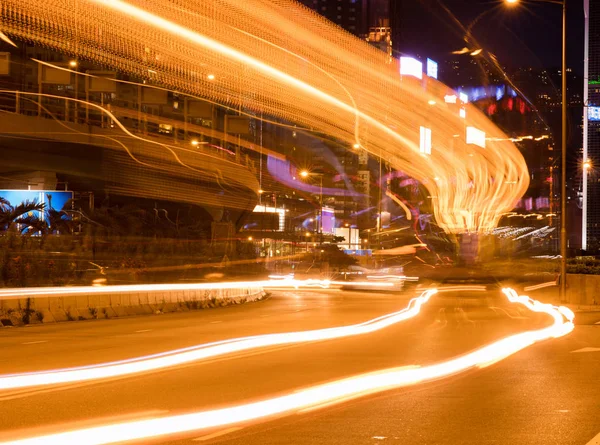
<point>563,181</point>
<point>587,164</point>
<point>306,174</point>
<point>73,64</point>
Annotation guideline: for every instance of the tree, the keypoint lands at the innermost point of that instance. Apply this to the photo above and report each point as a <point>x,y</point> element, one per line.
<point>21,214</point>
<point>336,257</point>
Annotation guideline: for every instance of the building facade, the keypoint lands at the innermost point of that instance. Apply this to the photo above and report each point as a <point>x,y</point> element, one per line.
<point>352,15</point>
<point>591,130</point>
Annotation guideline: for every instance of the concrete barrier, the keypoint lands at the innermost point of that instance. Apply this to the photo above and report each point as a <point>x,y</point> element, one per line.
<point>48,306</point>
<point>583,291</point>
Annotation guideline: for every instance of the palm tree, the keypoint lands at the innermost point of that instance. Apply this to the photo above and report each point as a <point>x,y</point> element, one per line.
<point>21,215</point>
<point>59,222</point>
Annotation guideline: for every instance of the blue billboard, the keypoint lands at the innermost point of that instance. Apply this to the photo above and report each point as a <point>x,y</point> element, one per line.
<point>51,198</point>
<point>594,113</point>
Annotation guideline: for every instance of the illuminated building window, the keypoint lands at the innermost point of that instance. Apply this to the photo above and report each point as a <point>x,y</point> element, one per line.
<point>425,140</point>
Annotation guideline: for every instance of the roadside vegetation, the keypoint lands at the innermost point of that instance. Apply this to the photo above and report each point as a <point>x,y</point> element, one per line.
<point>111,245</point>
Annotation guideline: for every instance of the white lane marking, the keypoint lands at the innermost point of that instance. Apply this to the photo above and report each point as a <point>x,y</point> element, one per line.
<point>562,410</point>
<point>586,350</point>
<point>217,434</point>
<point>214,322</point>
<point>143,330</point>
<point>34,342</point>
<point>595,440</point>
<point>379,437</point>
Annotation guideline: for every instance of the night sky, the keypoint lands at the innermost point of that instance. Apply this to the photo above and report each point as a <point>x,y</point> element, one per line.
<point>528,35</point>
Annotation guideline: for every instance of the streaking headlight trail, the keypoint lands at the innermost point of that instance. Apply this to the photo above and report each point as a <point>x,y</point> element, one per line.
<point>16,293</point>
<point>277,59</point>
<point>201,352</point>
<point>320,395</point>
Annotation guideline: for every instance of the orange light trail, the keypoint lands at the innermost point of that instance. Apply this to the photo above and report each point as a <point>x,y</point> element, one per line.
<point>201,352</point>
<point>323,79</point>
<point>321,395</point>
<point>287,281</point>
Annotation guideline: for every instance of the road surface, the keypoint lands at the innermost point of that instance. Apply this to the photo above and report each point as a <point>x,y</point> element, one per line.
<point>545,394</point>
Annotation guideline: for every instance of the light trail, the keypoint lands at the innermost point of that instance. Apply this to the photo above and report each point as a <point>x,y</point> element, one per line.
<point>540,286</point>
<point>16,293</point>
<point>323,79</point>
<point>318,396</point>
<point>201,352</point>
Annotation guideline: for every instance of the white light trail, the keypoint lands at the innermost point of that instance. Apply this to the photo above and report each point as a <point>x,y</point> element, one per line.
<point>321,395</point>
<point>16,293</point>
<point>315,79</point>
<point>202,352</point>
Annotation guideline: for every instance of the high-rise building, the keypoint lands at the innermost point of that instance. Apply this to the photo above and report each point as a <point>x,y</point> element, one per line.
<point>352,15</point>
<point>591,129</point>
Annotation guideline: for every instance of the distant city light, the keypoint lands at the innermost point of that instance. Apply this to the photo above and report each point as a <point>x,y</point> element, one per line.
<point>425,140</point>
<point>594,113</point>
<point>432,69</point>
<point>450,98</point>
<point>211,77</point>
<point>409,66</point>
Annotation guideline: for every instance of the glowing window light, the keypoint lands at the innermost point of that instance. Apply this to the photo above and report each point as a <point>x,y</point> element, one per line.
<point>475,137</point>
<point>450,98</point>
<point>462,113</point>
<point>409,66</point>
<point>594,114</point>
<point>425,140</point>
<point>464,98</point>
<point>432,69</point>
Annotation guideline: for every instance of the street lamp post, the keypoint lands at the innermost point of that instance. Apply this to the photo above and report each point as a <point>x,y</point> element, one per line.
<point>306,174</point>
<point>563,182</point>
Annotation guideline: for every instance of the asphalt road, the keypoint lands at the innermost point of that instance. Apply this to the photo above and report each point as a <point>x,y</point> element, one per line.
<point>546,394</point>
